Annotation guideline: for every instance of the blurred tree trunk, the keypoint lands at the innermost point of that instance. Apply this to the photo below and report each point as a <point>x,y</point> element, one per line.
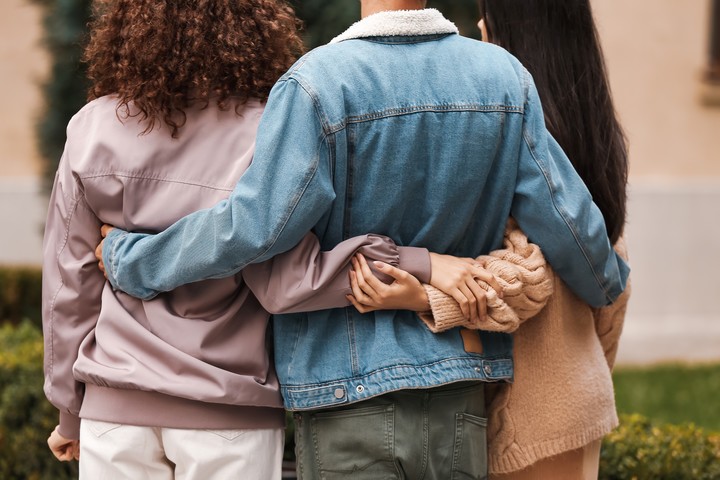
<point>65,25</point>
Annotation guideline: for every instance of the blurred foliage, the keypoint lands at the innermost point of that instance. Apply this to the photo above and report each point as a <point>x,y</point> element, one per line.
<point>26,417</point>
<point>643,450</point>
<point>20,294</point>
<point>671,393</point>
<point>65,23</point>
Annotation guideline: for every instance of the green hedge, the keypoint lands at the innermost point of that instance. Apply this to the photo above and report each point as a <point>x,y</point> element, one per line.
<point>638,450</point>
<point>26,417</point>
<point>20,294</point>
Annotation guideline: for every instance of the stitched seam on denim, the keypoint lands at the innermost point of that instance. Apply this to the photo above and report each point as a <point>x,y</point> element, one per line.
<point>305,387</point>
<point>564,216</point>
<point>457,445</point>
<point>293,70</point>
<point>349,166</point>
<point>316,450</point>
<point>350,325</point>
<point>316,103</point>
<point>426,436</point>
<point>158,179</point>
<point>401,111</point>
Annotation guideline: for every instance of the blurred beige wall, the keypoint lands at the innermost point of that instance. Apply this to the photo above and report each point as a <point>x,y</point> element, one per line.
<point>23,65</point>
<point>656,52</point>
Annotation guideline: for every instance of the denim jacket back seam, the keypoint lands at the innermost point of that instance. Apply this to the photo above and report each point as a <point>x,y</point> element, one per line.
<point>409,110</point>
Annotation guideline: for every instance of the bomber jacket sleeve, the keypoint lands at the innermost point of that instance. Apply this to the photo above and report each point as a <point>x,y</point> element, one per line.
<point>609,320</point>
<point>554,208</point>
<point>72,287</point>
<point>285,191</point>
<point>521,270</point>
<point>306,278</point>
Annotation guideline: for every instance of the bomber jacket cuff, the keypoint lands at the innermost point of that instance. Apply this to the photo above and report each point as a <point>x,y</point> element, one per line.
<point>415,261</point>
<point>69,426</point>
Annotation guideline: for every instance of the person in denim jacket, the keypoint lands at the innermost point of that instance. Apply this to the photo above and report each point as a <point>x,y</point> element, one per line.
<point>403,127</point>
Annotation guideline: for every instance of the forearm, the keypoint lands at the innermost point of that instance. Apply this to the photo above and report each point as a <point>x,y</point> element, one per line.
<point>306,278</point>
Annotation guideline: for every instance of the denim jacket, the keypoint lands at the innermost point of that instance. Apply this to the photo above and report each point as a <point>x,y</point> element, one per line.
<point>404,128</point>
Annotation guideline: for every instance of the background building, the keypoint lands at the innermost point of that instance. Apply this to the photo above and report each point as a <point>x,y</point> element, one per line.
<point>658,55</point>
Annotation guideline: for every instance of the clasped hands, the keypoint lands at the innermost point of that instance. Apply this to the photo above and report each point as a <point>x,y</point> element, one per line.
<point>457,277</point>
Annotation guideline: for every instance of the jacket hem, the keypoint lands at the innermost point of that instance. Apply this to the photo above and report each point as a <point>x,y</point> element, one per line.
<point>152,409</point>
<point>399,377</point>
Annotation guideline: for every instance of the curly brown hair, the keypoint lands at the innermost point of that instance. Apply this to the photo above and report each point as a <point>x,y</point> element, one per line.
<point>164,55</point>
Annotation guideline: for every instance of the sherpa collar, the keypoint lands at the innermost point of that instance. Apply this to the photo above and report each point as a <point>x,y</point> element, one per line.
<point>399,23</point>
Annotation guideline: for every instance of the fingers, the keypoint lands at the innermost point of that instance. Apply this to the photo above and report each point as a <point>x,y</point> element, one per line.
<point>364,277</point>
<point>482,274</point>
<point>98,256</point>
<point>481,299</point>
<point>357,291</point>
<point>394,272</point>
<point>359,306</point>
<point>471,302</point>
<point>105,229</point>
<point>368,276</point>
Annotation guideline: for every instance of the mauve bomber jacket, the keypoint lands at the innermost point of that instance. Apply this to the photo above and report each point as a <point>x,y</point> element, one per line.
<point>195,357</point>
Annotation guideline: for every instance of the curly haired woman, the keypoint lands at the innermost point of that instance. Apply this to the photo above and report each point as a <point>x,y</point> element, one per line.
<point>180,386</point>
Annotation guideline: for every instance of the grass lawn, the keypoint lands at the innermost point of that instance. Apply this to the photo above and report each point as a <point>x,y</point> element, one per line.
<point>671,393</point>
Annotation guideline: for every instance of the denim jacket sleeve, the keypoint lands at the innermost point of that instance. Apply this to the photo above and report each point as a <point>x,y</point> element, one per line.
<point>554,208</point>
<point>281,196</point>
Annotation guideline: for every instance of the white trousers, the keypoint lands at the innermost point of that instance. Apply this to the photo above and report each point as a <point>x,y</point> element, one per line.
<point>110,451</point>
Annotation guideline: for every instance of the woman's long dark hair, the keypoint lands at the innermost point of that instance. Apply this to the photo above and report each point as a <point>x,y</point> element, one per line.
<point>557,42</point>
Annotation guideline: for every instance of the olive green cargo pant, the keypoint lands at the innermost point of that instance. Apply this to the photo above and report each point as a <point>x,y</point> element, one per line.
<point>433,434</point>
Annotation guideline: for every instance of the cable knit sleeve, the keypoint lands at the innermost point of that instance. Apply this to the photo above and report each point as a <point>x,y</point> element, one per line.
<point>526,279</point>
<point>609,320</point>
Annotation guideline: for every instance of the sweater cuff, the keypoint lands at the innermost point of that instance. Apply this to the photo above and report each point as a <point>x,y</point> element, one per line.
<point>415,261</point>
<point>445,312</point>
<point>69,426</point>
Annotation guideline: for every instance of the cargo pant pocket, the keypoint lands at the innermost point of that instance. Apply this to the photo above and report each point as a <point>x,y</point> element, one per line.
<point>355,443</point>
<point>470,450</point>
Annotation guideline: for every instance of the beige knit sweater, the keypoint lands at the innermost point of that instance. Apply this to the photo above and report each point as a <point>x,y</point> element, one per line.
<point>562,397</point>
